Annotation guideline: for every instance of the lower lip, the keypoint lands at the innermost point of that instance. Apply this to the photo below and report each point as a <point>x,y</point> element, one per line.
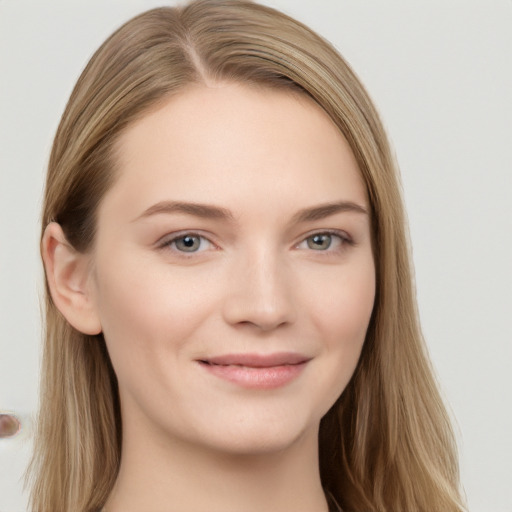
<point>256,378</point>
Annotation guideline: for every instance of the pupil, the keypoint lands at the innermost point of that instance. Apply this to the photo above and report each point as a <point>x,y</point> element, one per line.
<point>188,241</point>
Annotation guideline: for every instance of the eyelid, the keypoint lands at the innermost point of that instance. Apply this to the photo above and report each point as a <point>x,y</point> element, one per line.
<point>346,239</point>
<point>167,240</point>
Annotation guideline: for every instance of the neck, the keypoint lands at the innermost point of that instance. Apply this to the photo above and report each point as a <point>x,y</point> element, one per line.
<point>162,475</point>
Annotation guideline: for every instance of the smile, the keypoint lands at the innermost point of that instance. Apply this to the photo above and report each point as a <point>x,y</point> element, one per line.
<point>256,371</point>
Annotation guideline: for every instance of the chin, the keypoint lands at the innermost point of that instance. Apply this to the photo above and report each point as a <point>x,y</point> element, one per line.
<point>264,437</point>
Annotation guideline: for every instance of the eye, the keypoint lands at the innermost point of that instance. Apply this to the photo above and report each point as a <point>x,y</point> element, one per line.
<point>324,241</point>
<point>319,242</point>
<point>188,243</point>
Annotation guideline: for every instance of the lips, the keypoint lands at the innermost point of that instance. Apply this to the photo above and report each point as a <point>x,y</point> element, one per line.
<point>257,360</point>
<point>256,371</point>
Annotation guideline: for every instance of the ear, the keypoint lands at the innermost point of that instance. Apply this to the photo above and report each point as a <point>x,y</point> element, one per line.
<point>68,275</point>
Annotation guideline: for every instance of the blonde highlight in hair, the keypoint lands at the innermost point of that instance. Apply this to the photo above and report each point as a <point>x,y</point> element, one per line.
<point>386,445</point>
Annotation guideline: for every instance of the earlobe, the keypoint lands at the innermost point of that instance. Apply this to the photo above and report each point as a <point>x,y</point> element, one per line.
<point>68,275</point>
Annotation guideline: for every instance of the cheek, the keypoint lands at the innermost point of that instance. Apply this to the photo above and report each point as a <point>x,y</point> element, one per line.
<point>341,315</point>
<point>343,310</point>
<point>147,312</point>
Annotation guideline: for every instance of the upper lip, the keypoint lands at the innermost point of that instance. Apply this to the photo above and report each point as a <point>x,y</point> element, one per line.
<point>258,360</point>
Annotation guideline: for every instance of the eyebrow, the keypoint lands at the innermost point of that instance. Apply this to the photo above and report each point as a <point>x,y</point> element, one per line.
<point>204,211</point>
<point>326,210</point>
<point>207,211</point>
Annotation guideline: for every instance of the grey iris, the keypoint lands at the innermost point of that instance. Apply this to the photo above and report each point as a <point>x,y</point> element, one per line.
<point>188,243</point>
<point>319,242</point>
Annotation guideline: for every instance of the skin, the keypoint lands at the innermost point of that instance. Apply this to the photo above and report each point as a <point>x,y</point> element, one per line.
<point>258,283</point>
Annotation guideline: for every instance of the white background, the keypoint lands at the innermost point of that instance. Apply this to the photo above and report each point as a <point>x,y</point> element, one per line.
<point>440,72</point>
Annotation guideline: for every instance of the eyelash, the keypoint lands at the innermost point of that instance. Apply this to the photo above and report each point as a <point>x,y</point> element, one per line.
<point>170,243</point>
<point>344,240</point>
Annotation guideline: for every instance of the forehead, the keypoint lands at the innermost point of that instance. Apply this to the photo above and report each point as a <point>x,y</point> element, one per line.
<point>235,143</point>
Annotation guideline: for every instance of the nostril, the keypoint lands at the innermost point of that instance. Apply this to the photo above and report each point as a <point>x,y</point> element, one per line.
<point>9,426</point>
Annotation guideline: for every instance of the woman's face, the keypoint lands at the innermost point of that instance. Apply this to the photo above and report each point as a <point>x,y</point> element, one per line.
<point>232,272</point>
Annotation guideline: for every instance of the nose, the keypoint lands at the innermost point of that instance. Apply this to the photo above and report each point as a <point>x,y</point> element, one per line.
<point>260,293</point>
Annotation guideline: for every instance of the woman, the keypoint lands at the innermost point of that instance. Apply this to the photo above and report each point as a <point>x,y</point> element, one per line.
<point>229,295</point>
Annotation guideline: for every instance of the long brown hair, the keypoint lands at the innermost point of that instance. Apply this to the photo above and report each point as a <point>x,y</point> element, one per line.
<point>386,445</point>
